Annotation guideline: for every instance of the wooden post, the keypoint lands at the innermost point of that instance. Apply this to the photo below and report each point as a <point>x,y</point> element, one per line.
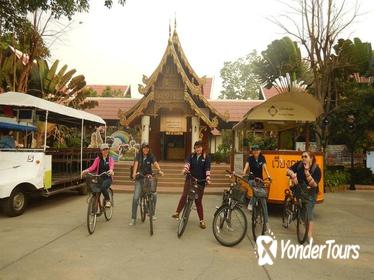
<point>232,152</point>
<point>307,136</point>
<point>82,136</point>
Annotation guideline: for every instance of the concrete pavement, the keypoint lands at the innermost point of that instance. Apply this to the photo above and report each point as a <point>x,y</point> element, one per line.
<point>50,241</point>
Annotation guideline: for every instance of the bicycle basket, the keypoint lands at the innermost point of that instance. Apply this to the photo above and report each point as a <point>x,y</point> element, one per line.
<point>239,194</point>
<point>94,184</point>
<point>259,190</point>
<point>149,184</point>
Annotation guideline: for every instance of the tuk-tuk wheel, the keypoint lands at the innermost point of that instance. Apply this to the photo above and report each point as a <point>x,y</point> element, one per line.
<point>16,203</point>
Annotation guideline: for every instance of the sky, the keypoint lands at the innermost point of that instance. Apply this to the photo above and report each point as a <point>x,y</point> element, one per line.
<point>117,46</point>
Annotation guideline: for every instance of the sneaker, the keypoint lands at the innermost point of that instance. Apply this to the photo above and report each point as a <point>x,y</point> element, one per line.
<point>250,207</point>
<point>175,216</point>
<point>202,224</point>
<point>108,204</point>
<point>132,223</point>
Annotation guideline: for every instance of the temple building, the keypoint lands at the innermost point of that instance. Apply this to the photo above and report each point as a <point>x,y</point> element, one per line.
<point>175,109</point>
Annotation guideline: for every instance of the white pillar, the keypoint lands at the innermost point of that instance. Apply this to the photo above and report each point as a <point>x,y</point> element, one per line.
<point>195,126</point>
<point>236,148</point>
<point>82,136</point>
<point>146,120</point>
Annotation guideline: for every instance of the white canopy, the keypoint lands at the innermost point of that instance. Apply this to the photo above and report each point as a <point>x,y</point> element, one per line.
<point>285,108</point>
<point>27,100</point>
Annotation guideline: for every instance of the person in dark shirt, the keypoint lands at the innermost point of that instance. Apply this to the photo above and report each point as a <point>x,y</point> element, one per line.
<point>307,175</point>
<point>198,164</point>
<point>255,164</point>
<point>143,165</point>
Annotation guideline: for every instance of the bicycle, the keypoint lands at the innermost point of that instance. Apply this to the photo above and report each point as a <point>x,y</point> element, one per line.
<point>229,222</point>
<point>96,206</point>
<point>195,184</point>
<point>146,203</point>
<point>260,192</point>
<point>294,208</point>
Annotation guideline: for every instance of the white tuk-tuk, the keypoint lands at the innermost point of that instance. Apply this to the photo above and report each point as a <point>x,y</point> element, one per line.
<point>40,171</point>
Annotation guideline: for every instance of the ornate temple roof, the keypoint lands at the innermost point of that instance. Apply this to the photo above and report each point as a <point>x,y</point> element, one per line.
<point>194,93</point>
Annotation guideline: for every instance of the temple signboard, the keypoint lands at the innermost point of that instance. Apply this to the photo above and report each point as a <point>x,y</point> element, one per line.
<point>173,123</point>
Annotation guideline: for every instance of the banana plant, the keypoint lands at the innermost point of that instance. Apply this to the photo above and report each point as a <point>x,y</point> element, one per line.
<point>59,85</point>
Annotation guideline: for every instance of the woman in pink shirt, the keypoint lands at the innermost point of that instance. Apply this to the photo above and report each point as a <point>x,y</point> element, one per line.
<point>103,163</point>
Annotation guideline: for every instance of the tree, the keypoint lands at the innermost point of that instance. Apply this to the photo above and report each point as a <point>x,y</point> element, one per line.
<point>109,92</point>
<point>281,57</point>
<point>59,86</point>
<point>91,92</point>
<point>322,22</point>
<point>14,17</point>
<point>239,80</point>
<point>14,12</point>
<point>354,132</point>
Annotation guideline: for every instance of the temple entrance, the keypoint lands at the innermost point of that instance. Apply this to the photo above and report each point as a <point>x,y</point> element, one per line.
<point>173,146</point>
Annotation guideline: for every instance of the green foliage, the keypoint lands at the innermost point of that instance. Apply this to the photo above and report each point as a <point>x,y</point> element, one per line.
<point>90,92</point>
<point>281,57</point>
<point>358,102</point>
<point>335,179</point>
<point>59,86</point>
<point>354,57</point>
<point>21,27</point>
<point>13,13</point>
<point>362,175</point>
<point>265,141</point>
<point>239,80</point>
<point>109,92</point>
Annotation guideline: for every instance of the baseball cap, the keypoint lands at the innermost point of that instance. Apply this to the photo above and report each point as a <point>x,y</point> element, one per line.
<point>255,147</point>
<point>104,146</point>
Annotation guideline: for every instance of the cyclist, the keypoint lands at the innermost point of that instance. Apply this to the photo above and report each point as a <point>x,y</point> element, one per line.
<point>256,163</point>
<point>307,174</point>
<point>198,164</point>
<point>143,165</point>
<point>103,163</point>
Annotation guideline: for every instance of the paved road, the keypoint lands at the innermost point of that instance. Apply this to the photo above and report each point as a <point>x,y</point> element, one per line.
<point>50,241</point>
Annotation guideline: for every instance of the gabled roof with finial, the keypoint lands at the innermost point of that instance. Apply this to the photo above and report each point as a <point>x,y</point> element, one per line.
<point>193,85</point>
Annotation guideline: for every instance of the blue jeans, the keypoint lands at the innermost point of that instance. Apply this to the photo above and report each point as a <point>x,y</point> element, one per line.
<point>263,203</point>
<point>105,185</point>
<point>135,200</point>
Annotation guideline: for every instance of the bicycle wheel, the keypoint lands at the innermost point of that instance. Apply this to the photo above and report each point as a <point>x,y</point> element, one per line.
<point>108,211</point>
<point>183,220</point>
<point>258,222</point>
<point>229,225</point>
<point>142,207</point>
<point>302,226</point>
<point>287,212</point>
<point>91,213</point>
<point>150,213</point>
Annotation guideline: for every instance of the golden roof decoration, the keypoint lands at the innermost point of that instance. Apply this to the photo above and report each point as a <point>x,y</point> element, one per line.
<point>211,123</point>
<point>127,117</point>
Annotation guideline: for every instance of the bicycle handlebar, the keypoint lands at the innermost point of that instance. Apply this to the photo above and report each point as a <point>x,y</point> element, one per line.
<point>195,179</point>
<point>147,175</point>
<point>99,175</point>
<point>246,177</point>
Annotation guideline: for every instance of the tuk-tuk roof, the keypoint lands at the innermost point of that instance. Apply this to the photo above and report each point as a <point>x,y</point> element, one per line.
<point>17,99</point>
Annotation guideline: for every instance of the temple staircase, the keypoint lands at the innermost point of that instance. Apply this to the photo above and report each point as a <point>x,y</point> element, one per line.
<point>173,180</point>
